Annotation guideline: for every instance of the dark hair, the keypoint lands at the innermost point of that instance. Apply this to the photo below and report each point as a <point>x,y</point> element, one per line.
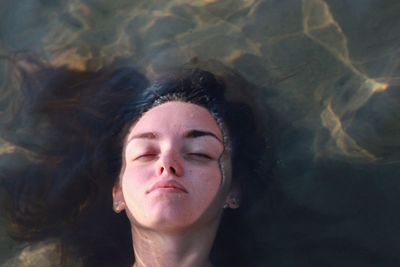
<point>69,136</point>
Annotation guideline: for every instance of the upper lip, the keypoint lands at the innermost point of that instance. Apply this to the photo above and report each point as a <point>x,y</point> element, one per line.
<point>167,184</point>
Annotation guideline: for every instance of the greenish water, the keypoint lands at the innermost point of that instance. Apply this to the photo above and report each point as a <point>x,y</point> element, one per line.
<point>329,70</point>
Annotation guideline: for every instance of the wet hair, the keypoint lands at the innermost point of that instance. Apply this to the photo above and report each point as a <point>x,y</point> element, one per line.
<point>68,139</point>
<point>54,184</point>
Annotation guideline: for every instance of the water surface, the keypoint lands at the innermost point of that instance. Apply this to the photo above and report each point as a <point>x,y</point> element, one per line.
<point>328,69</point>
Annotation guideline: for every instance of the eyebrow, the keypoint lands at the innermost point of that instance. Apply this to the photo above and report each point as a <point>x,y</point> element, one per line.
<point>200,133</point>
<point>190,135</point>
<point>147,135</point>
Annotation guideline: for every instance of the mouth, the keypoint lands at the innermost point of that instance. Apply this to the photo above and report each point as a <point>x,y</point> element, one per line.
<point>171,186</point>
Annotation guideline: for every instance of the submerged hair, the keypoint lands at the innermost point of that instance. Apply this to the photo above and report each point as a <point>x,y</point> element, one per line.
<point>66,131</point>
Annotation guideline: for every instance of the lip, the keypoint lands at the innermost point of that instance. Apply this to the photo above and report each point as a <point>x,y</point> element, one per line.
<point>170,185</point>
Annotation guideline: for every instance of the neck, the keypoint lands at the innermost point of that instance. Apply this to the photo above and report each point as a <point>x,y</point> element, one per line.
<point>186,248</point>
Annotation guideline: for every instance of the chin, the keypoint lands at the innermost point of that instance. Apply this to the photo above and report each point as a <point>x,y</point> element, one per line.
<point>168,219</point>
<point>172,216</point>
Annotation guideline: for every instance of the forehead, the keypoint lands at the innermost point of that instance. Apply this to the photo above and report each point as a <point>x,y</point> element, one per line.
<point>176,117</point>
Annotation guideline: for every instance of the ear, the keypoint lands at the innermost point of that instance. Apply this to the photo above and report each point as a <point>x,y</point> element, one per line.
<point>118,198</point>
<point>233,199</point>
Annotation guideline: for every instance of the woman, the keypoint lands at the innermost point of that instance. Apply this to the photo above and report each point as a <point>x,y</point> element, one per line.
<point>176,157</point>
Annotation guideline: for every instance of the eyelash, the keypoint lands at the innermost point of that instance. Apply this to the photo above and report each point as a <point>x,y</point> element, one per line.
<point>200,155</point>
<point>152,155</point>
<point>148,155</point>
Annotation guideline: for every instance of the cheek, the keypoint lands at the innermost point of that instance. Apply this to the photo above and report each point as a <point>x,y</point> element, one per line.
<point>206,181</point>
<point>133,180</point>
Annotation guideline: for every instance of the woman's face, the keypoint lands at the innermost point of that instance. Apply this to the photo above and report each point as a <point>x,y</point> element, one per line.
<point>171,176</point>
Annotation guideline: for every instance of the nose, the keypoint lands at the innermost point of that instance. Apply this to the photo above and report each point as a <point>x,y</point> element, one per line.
<point>170,164</point>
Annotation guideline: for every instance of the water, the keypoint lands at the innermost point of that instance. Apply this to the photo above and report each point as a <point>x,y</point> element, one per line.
<point>327,68</point>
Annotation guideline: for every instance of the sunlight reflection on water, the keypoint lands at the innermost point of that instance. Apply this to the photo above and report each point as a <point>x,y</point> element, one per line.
<point>328,69</point>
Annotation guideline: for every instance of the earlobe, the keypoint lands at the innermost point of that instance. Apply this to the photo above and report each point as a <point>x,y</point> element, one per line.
<point>118,206</point>
<point>118,199</point>
<point>232,203</point>
<point>233,199</point>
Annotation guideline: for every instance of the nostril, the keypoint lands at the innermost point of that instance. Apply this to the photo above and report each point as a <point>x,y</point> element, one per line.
<point>172,169</point>
<point>163,169</point>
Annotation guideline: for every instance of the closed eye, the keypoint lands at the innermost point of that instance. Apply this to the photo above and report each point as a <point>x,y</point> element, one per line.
<point>199,156</point>
<point>146,157</point>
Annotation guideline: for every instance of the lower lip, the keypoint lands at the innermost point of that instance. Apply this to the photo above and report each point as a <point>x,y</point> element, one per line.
<point>168,190</point>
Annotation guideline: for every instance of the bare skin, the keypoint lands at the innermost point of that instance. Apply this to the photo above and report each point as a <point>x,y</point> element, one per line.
<point>189,249</point>
<point>171,185</point>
